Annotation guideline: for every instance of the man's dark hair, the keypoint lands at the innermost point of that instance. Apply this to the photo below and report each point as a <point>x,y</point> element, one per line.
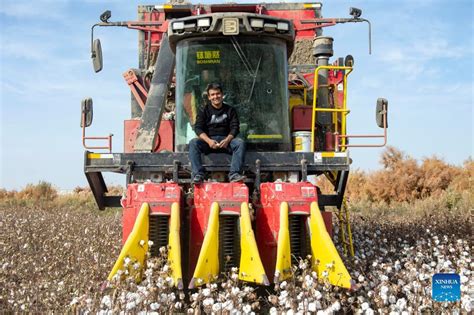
<point>213,86</point>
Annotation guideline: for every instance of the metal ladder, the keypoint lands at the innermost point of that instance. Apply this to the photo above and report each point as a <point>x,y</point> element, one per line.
<point>345,233</point>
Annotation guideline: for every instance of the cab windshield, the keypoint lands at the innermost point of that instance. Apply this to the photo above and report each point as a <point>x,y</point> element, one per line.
<point>253,74</point>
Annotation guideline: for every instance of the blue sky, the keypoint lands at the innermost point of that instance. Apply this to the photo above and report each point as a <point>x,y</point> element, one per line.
<point>422,62</point>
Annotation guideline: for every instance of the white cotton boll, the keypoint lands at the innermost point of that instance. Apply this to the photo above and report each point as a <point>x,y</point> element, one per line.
<point>317,295</point>
<point>401,303</point>
<point>154,306</point>
<point>364,306</point>
<point>208,302</point>
<point>273,311</point>
<point>361,278</point>
<point>228,305</point>
<point>392,299</point>
<point>383,278</point>
<point>321,312</point>
<point>336,306</point>
<point>303,265</point>
<point>178,305</point>
<point>374,264</point>
<point>369,311</point>
<point>235,291</point>
<point>130,305</point>
<point>217,308</point>
<point>194,296</point>
<point>283,285</point>
<point>106,301</point>
<point>312,307</point>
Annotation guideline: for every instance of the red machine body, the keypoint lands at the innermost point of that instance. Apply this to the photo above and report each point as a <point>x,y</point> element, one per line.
<point>159,196</point>
<point>229,196</point>
<point>164,140</point>
<point>299,197</point>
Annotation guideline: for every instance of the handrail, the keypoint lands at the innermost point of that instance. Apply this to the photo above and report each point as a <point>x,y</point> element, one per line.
<point>84,138</point>
<point>384,136</point>
<point>333,110</point>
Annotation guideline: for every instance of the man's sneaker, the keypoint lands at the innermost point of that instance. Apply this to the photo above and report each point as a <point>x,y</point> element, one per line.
<point>198,179</point>
<point>237,178</point>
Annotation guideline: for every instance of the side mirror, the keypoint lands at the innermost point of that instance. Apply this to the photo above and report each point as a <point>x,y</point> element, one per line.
<point>97,55</point>
<point>86,112</point>
<point>349,61</point>
<point>381,113</point>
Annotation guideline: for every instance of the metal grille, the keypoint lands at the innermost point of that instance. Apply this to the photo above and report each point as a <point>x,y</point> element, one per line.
<point>229,242</point>
<point>299,238</point>
<point>158,233</point>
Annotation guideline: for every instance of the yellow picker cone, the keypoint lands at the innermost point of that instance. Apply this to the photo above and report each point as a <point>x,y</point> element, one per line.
<point>283,263</point>
<point>326,260</point>
<point>207,267</point>
<point>174,246</point>
<point>251,267</point>
<point>133,254</point>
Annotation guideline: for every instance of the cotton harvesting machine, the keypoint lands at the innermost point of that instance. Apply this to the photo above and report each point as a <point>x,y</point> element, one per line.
<point>293,119</point>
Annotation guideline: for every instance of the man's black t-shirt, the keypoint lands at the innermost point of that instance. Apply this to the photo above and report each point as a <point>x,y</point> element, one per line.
<point>217,122</point>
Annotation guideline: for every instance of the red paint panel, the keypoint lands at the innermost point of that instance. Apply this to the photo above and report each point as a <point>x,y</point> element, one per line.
<point>229,196</point>
<point>298,196</point>
<point>159,196</point>
<point>164,141</point>
<point>302,117</point>
<point>301,30</point>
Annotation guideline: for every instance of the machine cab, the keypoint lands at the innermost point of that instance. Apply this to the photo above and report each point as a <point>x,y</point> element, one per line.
<point>253,72</point>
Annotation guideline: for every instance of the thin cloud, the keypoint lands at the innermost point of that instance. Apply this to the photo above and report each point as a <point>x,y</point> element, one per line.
<point>43,10</point>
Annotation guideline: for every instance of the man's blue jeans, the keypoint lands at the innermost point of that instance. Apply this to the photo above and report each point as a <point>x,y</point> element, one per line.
<point>236,147</point>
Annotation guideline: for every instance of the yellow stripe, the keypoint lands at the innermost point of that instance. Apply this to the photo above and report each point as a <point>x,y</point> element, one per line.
<point>264,137</point>
<point>327,154</point>
<point>99,156</point>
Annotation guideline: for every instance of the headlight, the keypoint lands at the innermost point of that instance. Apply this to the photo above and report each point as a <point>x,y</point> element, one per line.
<point>283,26</point>
<point>178,26</point>
<point>256,23</point>
<point>204,22</point>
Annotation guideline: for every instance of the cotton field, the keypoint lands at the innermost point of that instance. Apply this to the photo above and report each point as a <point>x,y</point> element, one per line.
<point>57,258</point>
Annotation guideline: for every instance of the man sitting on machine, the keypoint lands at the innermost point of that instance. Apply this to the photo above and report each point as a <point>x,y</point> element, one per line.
<point>217,126</point>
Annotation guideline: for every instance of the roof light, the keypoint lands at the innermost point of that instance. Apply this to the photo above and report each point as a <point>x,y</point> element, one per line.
<point>270,27</point>
<point>204,22</point>
<point>190,27</point>
<point>178,26</point>
<point>283,26</point>
<point>256,23</point>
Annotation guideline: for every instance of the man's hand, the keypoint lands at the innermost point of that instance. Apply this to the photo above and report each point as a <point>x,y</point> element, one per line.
<point>224,143</point>
<point>213,144</point>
